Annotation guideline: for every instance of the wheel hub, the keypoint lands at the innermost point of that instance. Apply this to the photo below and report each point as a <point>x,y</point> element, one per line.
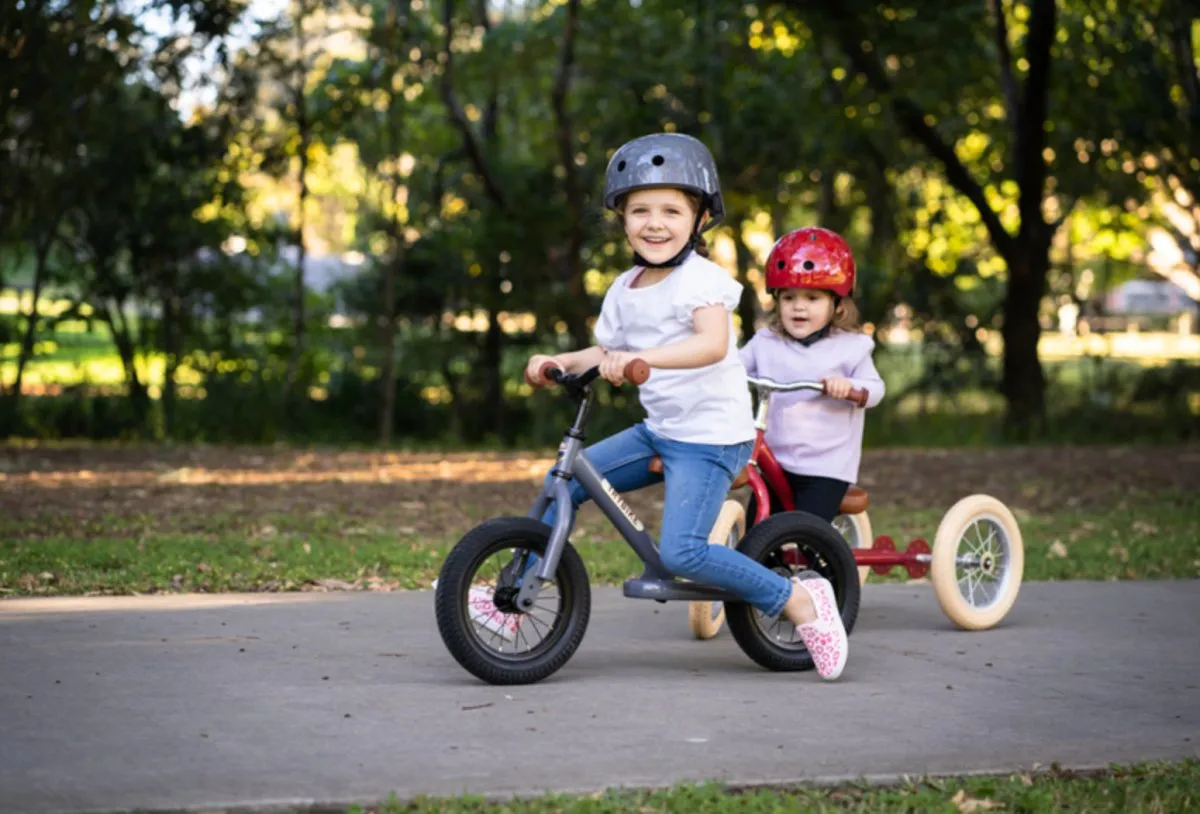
<point>505,600</point>
<point>987,564</point>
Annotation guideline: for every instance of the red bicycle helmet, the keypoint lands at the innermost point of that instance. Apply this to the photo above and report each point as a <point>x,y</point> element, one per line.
<point>811,258</point>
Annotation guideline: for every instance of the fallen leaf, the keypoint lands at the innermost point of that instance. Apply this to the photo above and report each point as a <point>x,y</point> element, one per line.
<point>1057,550</point>
<point>967,804</point>
<point>204,568</point>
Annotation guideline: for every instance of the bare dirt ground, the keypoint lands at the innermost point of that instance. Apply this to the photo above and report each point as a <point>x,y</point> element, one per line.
<point>85,490</point>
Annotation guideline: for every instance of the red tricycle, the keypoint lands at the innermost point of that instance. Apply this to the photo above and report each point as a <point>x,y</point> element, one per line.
<point>975,564</point>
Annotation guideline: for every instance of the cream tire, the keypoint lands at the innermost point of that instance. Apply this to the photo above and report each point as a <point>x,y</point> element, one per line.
<point>706,618</point>
<point>856,528</point>
<point>977,563</point>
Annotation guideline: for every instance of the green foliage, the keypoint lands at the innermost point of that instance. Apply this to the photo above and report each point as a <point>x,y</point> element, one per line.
<point>461,153</point>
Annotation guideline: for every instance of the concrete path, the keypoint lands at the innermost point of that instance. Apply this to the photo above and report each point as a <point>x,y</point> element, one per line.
<point>204,702</point>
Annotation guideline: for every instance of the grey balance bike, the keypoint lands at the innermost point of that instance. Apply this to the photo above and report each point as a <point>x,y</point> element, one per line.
<point>513,600</point>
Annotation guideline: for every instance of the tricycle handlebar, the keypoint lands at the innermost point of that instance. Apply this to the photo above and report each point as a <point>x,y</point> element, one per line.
<point>858,395</point>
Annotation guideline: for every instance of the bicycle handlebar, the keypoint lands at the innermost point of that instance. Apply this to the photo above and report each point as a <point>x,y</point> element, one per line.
<point>636,373</point>
<point>858,395</point>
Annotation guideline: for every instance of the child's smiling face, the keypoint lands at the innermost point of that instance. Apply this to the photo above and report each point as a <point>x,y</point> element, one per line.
<point>658,222</point>
<point>804,311</point>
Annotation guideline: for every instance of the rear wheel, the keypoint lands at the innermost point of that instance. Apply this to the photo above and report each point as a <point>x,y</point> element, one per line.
<point>788,543</point>
<point>475,603</point>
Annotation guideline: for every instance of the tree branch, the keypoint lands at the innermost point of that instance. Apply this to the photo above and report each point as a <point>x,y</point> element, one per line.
<point>459,117</point>
<point>912,119</point>
<point>1007,82</point>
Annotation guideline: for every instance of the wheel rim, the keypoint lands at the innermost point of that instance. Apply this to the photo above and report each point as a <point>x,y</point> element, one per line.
<point>511,635</point>
<point>983,559</point>
<point>847,529</point>
<point>781,559</point>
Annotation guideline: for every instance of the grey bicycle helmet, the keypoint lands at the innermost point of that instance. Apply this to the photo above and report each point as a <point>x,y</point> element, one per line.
<point>665,160</point>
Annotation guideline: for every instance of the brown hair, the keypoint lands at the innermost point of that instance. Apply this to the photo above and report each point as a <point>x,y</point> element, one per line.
<point>695,200</point>
<point>845,317</point>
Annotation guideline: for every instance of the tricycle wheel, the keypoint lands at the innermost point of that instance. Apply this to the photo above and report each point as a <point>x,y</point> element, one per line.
<point>977,563</point>
<point>787,543</point>
<point>478,618</point>
<point>856,528</point>
<point>706,618</point>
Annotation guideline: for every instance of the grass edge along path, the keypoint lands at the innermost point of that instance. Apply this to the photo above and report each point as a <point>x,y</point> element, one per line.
<point>1159,787</point>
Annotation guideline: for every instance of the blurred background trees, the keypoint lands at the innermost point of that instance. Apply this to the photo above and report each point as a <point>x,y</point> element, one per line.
<point>258,220</point>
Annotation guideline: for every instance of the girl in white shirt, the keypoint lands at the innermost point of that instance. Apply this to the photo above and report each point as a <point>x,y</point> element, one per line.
<point>674,309</point>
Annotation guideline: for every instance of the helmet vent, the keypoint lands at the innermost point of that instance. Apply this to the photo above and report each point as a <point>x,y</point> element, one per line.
<point>657,161</point>
<point>809,265</point>
<point>620,166</point>
<point>780,265</point>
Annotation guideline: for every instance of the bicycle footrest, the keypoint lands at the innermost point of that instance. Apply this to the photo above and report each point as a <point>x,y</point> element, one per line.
<point>665,590</point>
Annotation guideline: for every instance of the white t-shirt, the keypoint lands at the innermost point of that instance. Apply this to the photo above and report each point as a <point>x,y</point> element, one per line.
<point>706,405</point>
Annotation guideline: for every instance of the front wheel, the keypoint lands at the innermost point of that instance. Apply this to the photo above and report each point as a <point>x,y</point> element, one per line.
<point>475,603</point>
<point>977,563</point>
<point>788,543</point>
<point>706,618</point>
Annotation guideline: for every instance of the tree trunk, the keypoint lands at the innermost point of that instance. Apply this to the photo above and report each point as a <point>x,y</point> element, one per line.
<point>170,327</point>
<point>1024,382</point>
<point>114,316</point>
<point>293,395</point>
<point>387,403</point>
<point>27,341</point>
<point>493,357</point>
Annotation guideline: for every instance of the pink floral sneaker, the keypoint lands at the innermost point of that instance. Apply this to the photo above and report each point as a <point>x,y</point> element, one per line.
<point>825,637</point>
<point>484,613</point>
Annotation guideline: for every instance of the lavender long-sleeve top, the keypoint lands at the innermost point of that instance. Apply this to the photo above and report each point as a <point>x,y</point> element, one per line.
<point>809,432</point>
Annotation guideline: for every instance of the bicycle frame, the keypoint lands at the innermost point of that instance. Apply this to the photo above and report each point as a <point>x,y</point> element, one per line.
<point>764,472</point>
<point>655,582</point>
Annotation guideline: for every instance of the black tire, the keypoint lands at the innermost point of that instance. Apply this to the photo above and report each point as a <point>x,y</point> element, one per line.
<point>458,632</point>
<point>826,552</point>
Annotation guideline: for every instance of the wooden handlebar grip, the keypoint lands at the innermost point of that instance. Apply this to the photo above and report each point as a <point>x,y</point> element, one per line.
<point>858,395</point>
<point>636,372</point>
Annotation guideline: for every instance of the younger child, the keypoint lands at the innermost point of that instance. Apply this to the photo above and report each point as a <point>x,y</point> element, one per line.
<point>673,309</point>
<point>813,334</point>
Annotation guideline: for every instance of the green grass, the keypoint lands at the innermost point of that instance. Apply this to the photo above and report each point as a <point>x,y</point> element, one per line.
<point>1157,788</point>
<point>287,551</point>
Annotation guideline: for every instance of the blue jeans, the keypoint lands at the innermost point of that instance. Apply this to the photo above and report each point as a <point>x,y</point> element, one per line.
<point>698,477</point>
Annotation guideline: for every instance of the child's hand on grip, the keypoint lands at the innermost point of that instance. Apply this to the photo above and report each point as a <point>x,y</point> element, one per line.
<point>533,370</point>
<point>612,367</point>
<point>837,387</point>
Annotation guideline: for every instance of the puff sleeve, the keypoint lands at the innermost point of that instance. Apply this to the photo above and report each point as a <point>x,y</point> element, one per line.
<point>608,332</point>
<point>705,284</point>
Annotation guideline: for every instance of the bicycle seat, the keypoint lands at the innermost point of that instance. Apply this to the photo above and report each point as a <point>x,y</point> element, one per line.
<point>743,477</point>
<point>855,501</point>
